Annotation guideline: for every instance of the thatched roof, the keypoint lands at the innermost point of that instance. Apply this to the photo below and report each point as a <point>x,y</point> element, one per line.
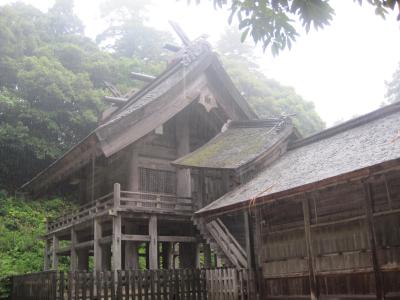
<point>359,144</point>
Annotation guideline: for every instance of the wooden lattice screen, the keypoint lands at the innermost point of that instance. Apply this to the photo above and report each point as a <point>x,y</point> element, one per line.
<point>157,181</point>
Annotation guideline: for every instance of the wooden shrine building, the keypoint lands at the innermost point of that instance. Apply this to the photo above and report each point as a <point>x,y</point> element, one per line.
<point>185,169</point>
<point>324,215</point>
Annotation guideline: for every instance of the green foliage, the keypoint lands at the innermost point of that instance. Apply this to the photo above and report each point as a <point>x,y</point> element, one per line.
<point>127,35</point>
<point>267,96</point>
<point>22,223</point>
<point>271,22</point>
<point>52,83</point>
<point>393,87</point>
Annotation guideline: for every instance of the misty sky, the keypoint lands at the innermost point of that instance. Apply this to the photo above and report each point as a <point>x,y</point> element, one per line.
<point>341,68</point>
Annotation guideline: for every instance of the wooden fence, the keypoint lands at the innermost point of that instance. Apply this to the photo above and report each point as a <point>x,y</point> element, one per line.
<point>196,284</point>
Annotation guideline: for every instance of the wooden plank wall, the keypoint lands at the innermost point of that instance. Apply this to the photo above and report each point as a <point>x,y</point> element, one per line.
<point>341,237</point>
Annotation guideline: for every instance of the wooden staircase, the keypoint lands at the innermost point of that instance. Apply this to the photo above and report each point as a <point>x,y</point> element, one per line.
<point>222,242</point>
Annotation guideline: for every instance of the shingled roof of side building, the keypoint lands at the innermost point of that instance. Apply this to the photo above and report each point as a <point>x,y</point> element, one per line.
<point>352,149</point>
<point>239,144</point>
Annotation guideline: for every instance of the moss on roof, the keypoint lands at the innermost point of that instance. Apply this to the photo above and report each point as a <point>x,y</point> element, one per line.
<point>239,144</point>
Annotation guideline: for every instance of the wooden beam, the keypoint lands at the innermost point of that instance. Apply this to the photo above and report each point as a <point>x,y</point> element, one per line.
<point>177,239</point>
<point>134,173</point>
<point>117,196</point>
<point>388,194</point>
<point>84,245</point>
<point>181,34</point>
<point>142,77</point>
<point>116,243</point>
<point>183,178</point>
<point>314,292</point>
<point>131,249</point>
<point>247,234</point>
<point>136,237</point>
<point>105,240</point>
<point>116,100</point>
<point>64,251</point>
<point>97,251</point>
<point>54,254</point>
<point>47,261</point>
<point>207,255</point>
<point>113,89</point>
<point>153,246</point>
<point>83,259</point>
<point>380,293</point>
<point>172,47</point>
<point>73,254</point>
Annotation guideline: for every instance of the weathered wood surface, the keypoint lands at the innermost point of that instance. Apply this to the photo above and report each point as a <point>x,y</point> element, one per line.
<point>351,232</point>
<point>227,242</point>
<point>128,201</point>
<point>190,284</point>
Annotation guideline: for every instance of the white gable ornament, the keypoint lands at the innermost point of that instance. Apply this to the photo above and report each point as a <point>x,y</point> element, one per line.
<point>208,101</point>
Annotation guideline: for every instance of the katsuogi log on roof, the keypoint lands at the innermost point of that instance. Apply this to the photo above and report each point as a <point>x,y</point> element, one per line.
<point>343,152</point>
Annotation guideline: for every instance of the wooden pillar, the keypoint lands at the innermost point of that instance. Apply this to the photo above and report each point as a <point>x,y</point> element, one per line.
<point>147,255</point>
<point>106,257</point>
<point>248,233</point>
<point>116,234</point>
<point>97,251</point>
<point>314,292</point>
<point>116,243</point>
<point>187,255</point>
<point>54,253</point>
<point>198,254</point>
<point>370,227</point>
<point>207,255</point>
<point>153,246</point>
<point>183,180</point>
<point>202,201</point>
<point>131,249</point>
<point>166,255</point>
<point>74,256</point>
<point>47,262</point>
<point>83,185</point>
<point>131,255</point>
<point>134,173</point>
<point>83,259</point>
<point>218,261</point>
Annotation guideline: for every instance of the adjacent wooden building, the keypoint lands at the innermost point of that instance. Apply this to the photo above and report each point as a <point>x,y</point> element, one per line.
<point>324,217</point>
<point>185,169</point>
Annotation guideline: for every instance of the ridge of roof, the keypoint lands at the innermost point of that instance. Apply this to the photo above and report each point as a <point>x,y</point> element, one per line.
<point>257,123</point>
<point>352,123</point>
<point>184,57</point>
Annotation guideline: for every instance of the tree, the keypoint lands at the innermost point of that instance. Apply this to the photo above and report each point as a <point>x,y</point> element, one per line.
<point>393,87</point>
<point>271,22</point>
<point>52,84</point>
<point>267,96</point>
<point>127,35</point>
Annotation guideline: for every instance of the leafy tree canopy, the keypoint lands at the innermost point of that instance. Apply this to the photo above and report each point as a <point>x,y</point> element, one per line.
<point>271,22</point>
<point>126,33</point>
<point>52,84</point>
